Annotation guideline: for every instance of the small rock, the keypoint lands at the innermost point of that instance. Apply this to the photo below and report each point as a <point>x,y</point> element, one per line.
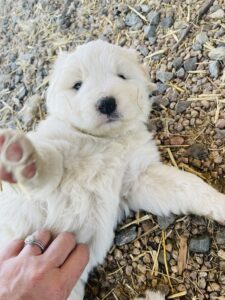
<point>161,87</point>
<point>128,270</point>
<point>153,17</point>
<point>164,222</point>
<point>145,8</point>
<point>151,31</point>
<point>218,14</point>
<point>180,73</point>
<point>118,254</point>
<point>167,22</point>
<point>190,64</point>
<point>158,101</point>
<point>220,133</point>
<point>220,123</point>
<point>220,237</point>
<point>176,140</point>
<point>164,76</point>
<point>202,38</point>
<point>217,53</point>
<point>198,151</point>
<point>202,283</point>
<point>197,46</point>
<point>132,20</point>
<point>152,40</point>
<point>161,257</point>
<point>182,106</point>
<point>177,62</point>
<point>22,92</point>
<point>143,49</point>
<point>200,244</point>
<point>126,236</point>
<point>214,68</point>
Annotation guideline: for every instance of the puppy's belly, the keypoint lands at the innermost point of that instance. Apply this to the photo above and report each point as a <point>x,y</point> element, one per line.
<point>78,211</point>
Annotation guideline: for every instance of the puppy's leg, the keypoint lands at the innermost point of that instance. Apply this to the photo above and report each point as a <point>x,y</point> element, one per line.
<point>162,190</point>
<point>31,165</point>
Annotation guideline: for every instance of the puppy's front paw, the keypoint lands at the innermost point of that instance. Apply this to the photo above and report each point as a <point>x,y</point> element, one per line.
<point>18,158</point>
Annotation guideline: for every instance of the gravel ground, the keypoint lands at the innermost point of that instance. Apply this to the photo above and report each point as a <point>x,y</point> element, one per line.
<point>188,120</point>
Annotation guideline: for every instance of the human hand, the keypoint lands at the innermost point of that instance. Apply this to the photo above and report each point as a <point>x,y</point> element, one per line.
<point>27,274</point>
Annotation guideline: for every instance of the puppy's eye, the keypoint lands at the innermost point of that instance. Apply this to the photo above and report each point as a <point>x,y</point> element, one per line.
<point>122,76</point>
<point>77,85</point>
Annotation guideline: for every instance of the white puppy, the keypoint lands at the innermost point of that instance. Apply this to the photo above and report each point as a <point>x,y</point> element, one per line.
<point>93,158</point>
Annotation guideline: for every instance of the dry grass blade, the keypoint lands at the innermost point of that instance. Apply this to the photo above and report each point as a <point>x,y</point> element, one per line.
<point>172,158</point>
<point>137,13</point>
<point>165,259</point>
<point>137,221</point>
<point>178,295</point>
<point>156,53</point>
<point>189,169</point>
<point>182,256</point>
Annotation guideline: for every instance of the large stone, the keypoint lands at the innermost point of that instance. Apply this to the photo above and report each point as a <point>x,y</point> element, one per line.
<point>153,17</point>
<point>217,53</point>
<point>165,222</point>
<point>164,76</point>
<point>198,151</point>
<point>126,235</point>
<point>214,68</point>
<point>200,244</point>
<point>190,64</point>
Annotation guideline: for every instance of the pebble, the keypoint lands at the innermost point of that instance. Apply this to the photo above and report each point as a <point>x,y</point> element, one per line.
<point>217,53</point>
<point>132,20</point>
<point>220,133</point>
<point>143,49</point>
<point>202,283</point>
<point>161,87</point>
<point>164,222</point>
<point>176,140</point>
<point>180,73</point>
<point>202,38</point>
<point>153,17</point>
<point>161,257</point>
<point>118,254</point>
<point>177,62</point>
<point>158,101</point>
<point>126,236</point>
<point>182,106</point>
<point>190,64</point>
<point>220,237</point>
<point>151,31</point>
<point>167,22</point>
<point>220,123</point>
<point>200,244</point>
<point>22,92</point>
<point>198,151</point>
<point>128,270</point>
<point>164,76</point>
<point>218,14</point>
<point>214,68</point>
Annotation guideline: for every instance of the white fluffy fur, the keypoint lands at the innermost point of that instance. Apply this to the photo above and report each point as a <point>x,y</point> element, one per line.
<point>91,171</point>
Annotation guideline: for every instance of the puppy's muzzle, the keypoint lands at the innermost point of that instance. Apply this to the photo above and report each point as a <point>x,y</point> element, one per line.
<point>107,106</point>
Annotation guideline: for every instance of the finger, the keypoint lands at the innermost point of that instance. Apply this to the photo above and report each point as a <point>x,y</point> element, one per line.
<point>43,236</point>
<point>13,249</point>
<point>60,249</point>
<point>75,264</point>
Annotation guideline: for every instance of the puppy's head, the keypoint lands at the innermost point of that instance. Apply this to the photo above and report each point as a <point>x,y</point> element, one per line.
<point>99,88</point>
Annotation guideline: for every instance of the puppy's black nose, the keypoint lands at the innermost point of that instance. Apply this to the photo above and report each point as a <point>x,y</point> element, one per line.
<point>107,105</point>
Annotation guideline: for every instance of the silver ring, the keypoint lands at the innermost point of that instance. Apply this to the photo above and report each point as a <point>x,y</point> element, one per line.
<point>31,240</point>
